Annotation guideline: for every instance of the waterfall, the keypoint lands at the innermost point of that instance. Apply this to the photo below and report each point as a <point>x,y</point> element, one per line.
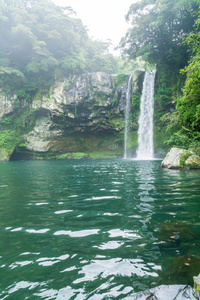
<point>127,115</point>
<point>145,132</point>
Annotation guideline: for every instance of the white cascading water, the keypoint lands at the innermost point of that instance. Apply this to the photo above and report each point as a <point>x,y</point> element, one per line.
<point>145,132</point>
<point>127,115</point>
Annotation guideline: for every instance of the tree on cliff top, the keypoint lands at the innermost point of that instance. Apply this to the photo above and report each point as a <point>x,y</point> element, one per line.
<point>38,40</point>
<point>157,28</point>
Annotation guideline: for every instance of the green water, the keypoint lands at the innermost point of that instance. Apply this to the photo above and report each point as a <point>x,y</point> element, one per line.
<point>96,229</point>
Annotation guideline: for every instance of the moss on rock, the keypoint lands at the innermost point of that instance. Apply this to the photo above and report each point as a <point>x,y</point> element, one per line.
<point>193,161</point>
<point>5,154</point>
<point>180,158</point>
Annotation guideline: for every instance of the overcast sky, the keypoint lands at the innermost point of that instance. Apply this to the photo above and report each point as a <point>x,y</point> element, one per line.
<point>103,18</point>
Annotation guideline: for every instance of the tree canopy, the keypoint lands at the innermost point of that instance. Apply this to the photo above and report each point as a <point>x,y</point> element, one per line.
<point>157,28</point>
<point>166,33</point>
<point>39,40</point>
<point>185,121</point>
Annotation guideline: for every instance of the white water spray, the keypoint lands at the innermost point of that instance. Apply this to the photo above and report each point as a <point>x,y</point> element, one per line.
<point>127,115</point>
<point>145,132</point>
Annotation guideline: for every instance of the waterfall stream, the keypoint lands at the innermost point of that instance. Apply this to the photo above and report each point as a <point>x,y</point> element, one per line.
<point>127,115</point>
<point>145,132</point>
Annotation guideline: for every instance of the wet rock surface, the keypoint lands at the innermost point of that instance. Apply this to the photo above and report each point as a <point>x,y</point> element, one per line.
<point>178,158</point>
<point>167,292</point>
<point>82,114</point>
<point>92,105</point>
<point>173,158</point>
<point>7,104</point>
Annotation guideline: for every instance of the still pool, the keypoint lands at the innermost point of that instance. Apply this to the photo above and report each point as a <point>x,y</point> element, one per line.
<point>96,229</point>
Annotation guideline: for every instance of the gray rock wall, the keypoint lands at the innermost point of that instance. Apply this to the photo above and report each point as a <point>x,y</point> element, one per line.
<point>84,115</point>
<point>7,104</point>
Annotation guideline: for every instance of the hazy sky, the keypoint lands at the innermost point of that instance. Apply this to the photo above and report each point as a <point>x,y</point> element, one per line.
<point>103,18</point>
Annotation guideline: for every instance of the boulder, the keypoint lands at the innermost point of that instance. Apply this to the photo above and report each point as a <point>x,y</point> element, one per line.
<point>162,292</point>
<point>180,158</point>
<point>173,158</point>
<point>193,160</point>
<point>166,292</point>
<point>197,285</point>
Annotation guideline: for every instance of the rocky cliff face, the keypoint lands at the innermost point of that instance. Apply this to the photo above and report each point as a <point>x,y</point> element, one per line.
<point>7,104</point>
<point>85,116</point>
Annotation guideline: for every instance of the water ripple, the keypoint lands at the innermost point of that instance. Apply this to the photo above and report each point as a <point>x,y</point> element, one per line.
<point>110,245</point>
<point>123,233</point>
<point>50,261</point>
<point>40,231</point>
<point>20,264</point>
<point>140,223</point>
<point>62,212</point>
<point>114,266</point>
<point>103,198</point>
<point>81,233</point>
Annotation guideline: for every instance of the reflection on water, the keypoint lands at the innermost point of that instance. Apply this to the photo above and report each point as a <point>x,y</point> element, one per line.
<point>96,229</point>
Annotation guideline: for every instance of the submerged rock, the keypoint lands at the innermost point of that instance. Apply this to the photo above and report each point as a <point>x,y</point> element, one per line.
<point>176,231</point>
<point>185,267</point>
<point>167,292</point>
<point>180,158</point>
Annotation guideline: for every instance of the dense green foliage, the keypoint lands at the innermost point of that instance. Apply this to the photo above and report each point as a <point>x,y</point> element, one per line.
<point>13,127</point>
<point>40,42</point>
<point>157,28</point>
<point>185,121</point>
<point>162,32</point>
